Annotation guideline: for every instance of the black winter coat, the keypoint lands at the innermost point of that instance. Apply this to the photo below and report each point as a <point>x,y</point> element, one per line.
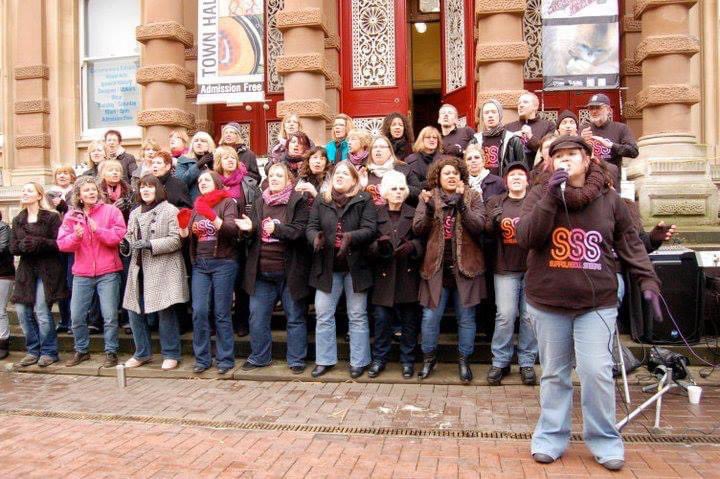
<point>38,259</point>
<point>297,252</point>
<point>396,279</point>
<point>7,263</point>
<point>420,167</point>
<point>248,157</point>
<point>177,191</point>
<point>359,218</point>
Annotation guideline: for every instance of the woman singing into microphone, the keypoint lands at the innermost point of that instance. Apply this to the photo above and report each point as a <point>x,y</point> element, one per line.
<point>570,233</point>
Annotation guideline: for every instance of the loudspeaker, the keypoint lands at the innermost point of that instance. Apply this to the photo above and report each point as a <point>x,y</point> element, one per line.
<point>683,289</point>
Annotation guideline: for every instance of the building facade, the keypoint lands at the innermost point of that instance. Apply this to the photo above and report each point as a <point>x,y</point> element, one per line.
<point>70,69</point>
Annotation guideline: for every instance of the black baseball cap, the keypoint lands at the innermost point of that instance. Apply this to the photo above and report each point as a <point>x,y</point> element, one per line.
<point>515,165</point>
<point>569,142</point>
<point>599,99</point>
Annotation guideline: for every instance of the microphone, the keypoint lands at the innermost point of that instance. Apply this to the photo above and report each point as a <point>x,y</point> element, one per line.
<point>562,185</point>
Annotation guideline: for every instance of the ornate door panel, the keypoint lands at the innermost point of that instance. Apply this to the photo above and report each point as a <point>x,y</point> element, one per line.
<point>458,57</point>
<point>373,56</point>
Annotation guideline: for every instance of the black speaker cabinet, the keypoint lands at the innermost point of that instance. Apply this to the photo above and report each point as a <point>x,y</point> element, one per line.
<point>683,289</point>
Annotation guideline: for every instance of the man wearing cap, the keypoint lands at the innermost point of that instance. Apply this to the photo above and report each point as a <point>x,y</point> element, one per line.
<point>572,225</point>
<point>610,140</point>
<point>503,214</point>
<point>530,128</point>
<point>454,138</point>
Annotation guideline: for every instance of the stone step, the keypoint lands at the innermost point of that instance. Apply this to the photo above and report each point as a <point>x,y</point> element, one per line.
<point>707,349</point>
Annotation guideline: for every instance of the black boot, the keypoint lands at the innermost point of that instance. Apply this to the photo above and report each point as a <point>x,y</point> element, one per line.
<point>429,362</point>
<point>4,348</point>
<point>464,370</point>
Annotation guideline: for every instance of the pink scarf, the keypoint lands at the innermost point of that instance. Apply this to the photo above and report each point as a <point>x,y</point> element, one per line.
<point>280,198</point>
<point>358,159</point>
<point>233,182</point>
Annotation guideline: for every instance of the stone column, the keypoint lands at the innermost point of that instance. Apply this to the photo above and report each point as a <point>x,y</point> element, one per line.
<point>676,186</point>
<point>162,74</point>
<point>303,64</point>
<point>332,60</point>
<point>31,108</point>
<point>500,53</point>
<point>630,71</point>
<point>202,120</point>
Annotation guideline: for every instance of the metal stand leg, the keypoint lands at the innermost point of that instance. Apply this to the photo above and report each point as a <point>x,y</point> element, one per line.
<point>622,367</point>
<point>664,385</point>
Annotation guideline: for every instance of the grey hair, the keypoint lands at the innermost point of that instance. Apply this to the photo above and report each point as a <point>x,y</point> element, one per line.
<point>393,178</point>
<point>84,180</point>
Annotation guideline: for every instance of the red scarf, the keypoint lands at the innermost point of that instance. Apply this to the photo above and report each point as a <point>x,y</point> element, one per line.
<point>214,197</point>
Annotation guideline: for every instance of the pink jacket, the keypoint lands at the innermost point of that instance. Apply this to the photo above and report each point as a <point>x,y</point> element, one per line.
<point>96,253</point>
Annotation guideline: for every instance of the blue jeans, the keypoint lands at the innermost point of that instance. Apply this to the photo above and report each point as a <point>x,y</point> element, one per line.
<point>169,333</point>
<point>40,335</point>
<point>585,339</point>
<point>465,318</point>
<point>409,314</point>
<point>107,287</point>
<point>269,287</point>
<point>510,301</point>
<point>218,276</point>
<point>325,335</point>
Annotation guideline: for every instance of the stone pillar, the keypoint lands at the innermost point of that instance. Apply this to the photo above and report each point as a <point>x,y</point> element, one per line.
<point>31,108</point>
<point>500,53</point>
<point>676,186</point>
<point>201,112</point>
<point>303,64</point>
<point>630,71</point>
<point>162,74</point>
<point>332,60</point>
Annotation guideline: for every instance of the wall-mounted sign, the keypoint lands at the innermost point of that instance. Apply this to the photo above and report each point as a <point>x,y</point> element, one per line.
<point>580,44</point>
<point>231,46</point>
<point>113,94</point>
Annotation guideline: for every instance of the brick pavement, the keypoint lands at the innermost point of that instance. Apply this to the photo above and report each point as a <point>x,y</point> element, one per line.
<point>100,447</point>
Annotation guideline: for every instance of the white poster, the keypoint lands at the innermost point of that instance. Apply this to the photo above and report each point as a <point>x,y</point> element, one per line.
<point>580,44</point>
<point>231,46</point>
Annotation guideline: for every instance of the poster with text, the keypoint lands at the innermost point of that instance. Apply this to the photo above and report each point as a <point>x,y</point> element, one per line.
<point>231,46</point>
<point>580,44</point>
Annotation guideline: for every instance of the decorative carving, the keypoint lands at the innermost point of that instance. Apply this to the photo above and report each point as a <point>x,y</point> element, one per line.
<point>667,94</point>
<point>628,67</point>
<point>532,35</point>
<point>643,5</point>
<point>484,8</point>
<point>191,92</point>
<point>506,98</point>
<point>334,82</point>
<point>168,73</point>
<point>666,44</point>
<point>274,45</point>
<point>370,124</point>
<point>30,72</point>
<point>674,167</point>
<point>304,108</point>
<point>167,117</point>
<point>204,125</point>
<point>373,43</point>
<point>308,62</point>
<point>332,41</point>
<point>245,134</point>
<point>191,53</point>
<point>584,115</point>
<point>549,115</point>
<point>273,131</point>
<point>678,207</point>
<point>304,17</point>
<point>630,25</point>
<point>630,111</point>
<point>505,51</point>
<point>32,141</point>
<point>39,105</point>
<point>164,31</point>
<point>454,33</point>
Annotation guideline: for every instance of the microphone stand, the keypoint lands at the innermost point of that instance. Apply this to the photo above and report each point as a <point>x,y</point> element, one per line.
<point>665,384</point>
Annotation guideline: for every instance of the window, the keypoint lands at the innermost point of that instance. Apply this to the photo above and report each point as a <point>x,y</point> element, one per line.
<point>429,6</point>
<point>110,59</point>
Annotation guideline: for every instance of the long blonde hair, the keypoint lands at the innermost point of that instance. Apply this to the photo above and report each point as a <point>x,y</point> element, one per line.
<point>42,202</point>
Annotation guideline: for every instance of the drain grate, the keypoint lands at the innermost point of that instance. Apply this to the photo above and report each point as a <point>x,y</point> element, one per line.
<point>350,430</point>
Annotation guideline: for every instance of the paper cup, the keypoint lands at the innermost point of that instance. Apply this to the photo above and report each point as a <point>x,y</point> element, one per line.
<point>694,393</point>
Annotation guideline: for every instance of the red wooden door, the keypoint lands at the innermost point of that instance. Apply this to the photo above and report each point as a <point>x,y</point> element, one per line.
<point>374,59</point>
<point>257,124</point>
<point>457,55</point>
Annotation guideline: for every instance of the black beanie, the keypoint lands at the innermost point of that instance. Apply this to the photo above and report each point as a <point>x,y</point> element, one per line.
<point>566,114</point>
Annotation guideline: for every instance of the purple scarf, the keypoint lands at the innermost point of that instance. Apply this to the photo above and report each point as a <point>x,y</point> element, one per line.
<point>233,182</point>
<point>358,159</point>
<point>280,198</point>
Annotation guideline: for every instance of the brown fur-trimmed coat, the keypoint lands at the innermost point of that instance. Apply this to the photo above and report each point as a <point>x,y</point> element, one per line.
<point>467,252</point>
